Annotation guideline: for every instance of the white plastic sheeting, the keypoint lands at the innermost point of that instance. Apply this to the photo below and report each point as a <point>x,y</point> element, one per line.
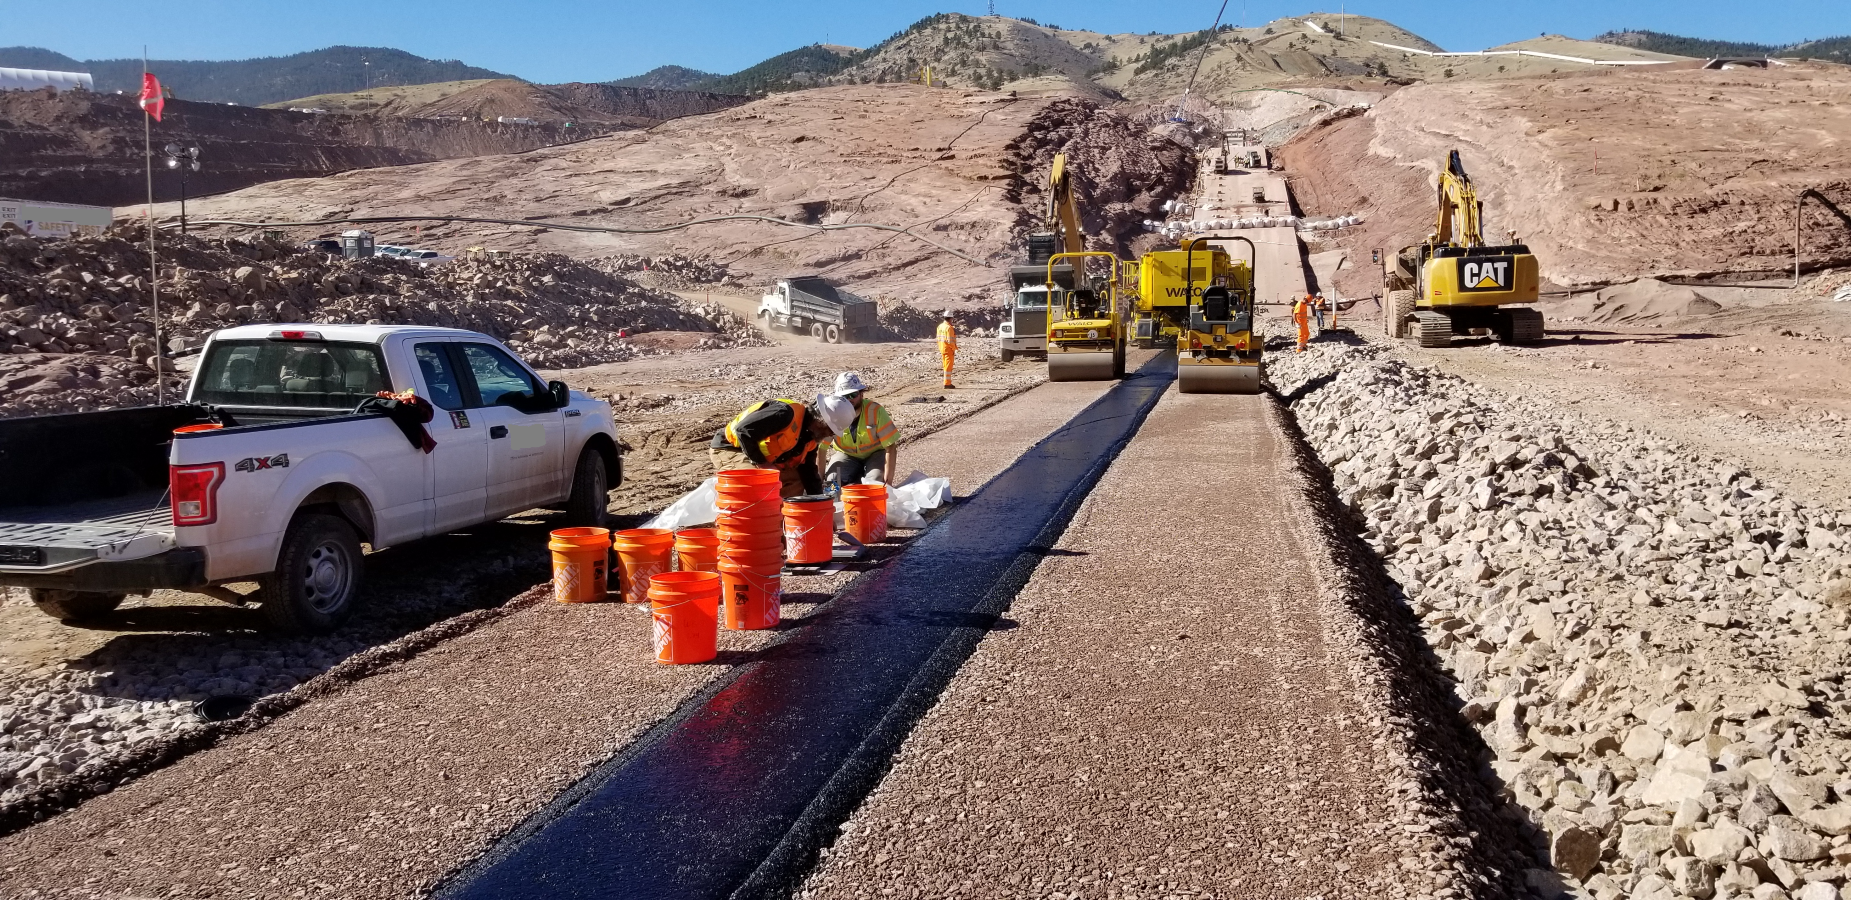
<point>34,79</point>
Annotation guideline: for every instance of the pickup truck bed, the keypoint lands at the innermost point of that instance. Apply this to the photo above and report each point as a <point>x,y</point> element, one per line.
<point>128,527</point>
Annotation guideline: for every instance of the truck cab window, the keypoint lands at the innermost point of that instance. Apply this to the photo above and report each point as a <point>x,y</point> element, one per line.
<point>290,374</point>
<point>498,376</point>
<point>439,376</point>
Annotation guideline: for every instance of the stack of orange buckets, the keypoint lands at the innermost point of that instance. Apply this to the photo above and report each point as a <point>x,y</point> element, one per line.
<point>642,554</point>
<point>751,558</point>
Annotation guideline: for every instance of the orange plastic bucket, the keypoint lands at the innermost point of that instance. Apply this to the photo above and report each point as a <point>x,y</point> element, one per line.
<point>748,476</point>
<point>809,531</point>
<point>580,557</point>
<point>749,506</point>
<point>751,540</point>
<point>768,517</point>
<point>697,549</point>
<point>864,511</point>
<point>207,426</point>
<point>685,607</point>
<point>753,599</point>
<point>643,553</point>
<point>761,560</point>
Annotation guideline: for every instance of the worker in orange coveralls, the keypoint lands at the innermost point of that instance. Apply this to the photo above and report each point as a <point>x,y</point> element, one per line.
<point>947,345</point>
<point>1301,314</point>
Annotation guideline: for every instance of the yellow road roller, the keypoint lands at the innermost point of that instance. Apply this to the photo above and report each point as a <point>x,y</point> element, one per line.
<point>1217,351</point>
<point>1086,329</point>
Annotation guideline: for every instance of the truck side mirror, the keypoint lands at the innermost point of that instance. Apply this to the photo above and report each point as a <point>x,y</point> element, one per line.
<point>562,395</point>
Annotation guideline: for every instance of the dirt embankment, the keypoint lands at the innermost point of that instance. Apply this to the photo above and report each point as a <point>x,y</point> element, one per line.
<point>1607,176</point>
<point>79,147</point>
<point>958,168</point>
<point>575,102</point>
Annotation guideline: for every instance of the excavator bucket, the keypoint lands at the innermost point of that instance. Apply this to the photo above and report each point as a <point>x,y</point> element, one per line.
<point>1081,365</point>
<point>1200,378</point>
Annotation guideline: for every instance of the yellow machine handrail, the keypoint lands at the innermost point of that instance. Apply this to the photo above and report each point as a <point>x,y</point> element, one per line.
<point>1079,278</point>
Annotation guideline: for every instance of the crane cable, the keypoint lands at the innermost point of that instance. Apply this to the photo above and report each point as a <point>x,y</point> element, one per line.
<point>591,229</point>
<point>1213,30</point>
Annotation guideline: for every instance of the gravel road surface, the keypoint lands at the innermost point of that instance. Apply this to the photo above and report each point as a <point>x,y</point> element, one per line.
<point>1174,713</point>
<point>384,787</point>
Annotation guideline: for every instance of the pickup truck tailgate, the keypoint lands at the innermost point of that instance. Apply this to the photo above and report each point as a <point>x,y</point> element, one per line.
<point>52,539</point>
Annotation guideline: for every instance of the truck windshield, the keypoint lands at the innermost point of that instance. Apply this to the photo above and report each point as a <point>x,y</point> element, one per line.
<point>289,374</point>
<point>1032,298</point>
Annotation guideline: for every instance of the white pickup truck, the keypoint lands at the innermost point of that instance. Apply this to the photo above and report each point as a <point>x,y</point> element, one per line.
<point>295,476</point>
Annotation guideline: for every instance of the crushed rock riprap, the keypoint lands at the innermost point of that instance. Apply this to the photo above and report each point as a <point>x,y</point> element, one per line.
<point>1653,644</point>
<point>76,324</point>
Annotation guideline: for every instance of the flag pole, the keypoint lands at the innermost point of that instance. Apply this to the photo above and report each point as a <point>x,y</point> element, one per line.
<point>154,272</point>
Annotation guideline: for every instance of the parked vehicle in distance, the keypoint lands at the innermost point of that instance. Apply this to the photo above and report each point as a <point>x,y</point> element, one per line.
<point>427,257</point>
<point>278,465</point>
<point>811,305</point>
<point>323,245</point>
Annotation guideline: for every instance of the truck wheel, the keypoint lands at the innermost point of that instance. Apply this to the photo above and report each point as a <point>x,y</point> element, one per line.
<point>1396,308</point>
<point>591,492</point>
<point>816,330</point>
<point>832,334</point>
<point>1008,354</point>
<point>75,606</point>
<point>317,575</point>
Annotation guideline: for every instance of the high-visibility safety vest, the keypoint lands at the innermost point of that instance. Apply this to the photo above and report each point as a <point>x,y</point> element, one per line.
<point>947,336</point>
<point>785,447</point>
<point>872,430</point>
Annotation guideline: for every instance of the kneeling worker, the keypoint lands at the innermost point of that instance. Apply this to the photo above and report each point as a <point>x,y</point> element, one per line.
<point>868,448</point>
<point>782,435</point>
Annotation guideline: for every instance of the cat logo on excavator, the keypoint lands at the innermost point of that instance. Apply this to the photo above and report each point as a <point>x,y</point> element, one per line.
<point>1485,274</point>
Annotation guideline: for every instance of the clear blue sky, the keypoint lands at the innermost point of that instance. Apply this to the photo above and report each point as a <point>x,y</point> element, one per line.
<point>553,41</point>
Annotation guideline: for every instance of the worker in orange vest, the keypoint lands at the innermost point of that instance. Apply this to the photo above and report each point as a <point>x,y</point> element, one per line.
<point>947,346</point>
<point>782,435</point>
<point>1301,314</point>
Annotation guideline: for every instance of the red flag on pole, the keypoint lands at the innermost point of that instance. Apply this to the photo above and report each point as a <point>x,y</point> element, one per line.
<point>151,100</point>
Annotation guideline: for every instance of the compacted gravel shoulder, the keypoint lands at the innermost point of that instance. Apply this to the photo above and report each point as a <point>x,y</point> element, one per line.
<point>381,788</point>
<point>1170,710</point>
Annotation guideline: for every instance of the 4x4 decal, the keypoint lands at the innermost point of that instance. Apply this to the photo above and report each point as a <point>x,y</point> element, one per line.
<point>259,463</point>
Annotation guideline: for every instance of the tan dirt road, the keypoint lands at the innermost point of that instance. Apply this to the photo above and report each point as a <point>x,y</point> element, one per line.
<point>1173,714</point>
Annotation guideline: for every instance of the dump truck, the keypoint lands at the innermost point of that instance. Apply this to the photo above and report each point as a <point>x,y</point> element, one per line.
<point>1216,349</point>
<point>809,304</point>
<point>280,461</point>
<point>1454,283</point>
<point>1088,329</point>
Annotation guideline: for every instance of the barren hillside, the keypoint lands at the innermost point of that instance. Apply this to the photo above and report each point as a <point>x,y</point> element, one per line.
<point>962,169</point>
<point>1607,175</point>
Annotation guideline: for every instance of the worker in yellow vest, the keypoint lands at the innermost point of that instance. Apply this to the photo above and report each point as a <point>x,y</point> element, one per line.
<point>782,435</point>
<point>947,345</point>
<point>870,446</point>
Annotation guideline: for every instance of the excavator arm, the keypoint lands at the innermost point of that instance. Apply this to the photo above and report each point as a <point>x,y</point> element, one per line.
<point>1461,212</point>
<point>1063,213</point>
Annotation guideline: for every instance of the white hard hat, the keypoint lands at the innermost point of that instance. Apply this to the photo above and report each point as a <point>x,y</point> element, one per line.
<point>836,412</point>
<point>849,383</point>
<point>947,314</point>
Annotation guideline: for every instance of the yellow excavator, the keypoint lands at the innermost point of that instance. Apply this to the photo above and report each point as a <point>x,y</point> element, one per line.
<point>1455,284</point>
<point>1032,291</point>
<point>1216,349</point>
<point>1086,329</point>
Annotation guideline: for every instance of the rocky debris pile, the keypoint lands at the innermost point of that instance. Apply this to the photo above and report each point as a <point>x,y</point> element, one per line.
<point>1122,174</point>
<point>90,296</point>
<point>1653,645</point>
<point>33,384</point>
<point>907,321</point>
<point>673,270</point>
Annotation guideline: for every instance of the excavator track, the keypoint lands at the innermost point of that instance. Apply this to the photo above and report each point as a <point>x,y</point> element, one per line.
<point>1526,326</point>
<point>1431,329</point>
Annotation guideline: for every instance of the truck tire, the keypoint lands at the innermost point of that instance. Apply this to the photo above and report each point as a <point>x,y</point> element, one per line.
<point>317,575</point>
<point>75,606</point>
<point>1396,307</point>
<point>816,330</point>
<point>591,492</point>
<point>1007,354</point>
<point>832,334</point>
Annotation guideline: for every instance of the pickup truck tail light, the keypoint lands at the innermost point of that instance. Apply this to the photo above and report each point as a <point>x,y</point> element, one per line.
<point>195,492</point>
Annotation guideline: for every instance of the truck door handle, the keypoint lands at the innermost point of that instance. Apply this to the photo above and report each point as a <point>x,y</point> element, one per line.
<point>498,431</point>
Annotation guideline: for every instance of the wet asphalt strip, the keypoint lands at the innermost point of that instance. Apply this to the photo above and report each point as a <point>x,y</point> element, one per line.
<point>733,796</point>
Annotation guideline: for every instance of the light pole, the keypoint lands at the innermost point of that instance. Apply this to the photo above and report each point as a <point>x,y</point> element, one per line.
<point>183,159</point>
